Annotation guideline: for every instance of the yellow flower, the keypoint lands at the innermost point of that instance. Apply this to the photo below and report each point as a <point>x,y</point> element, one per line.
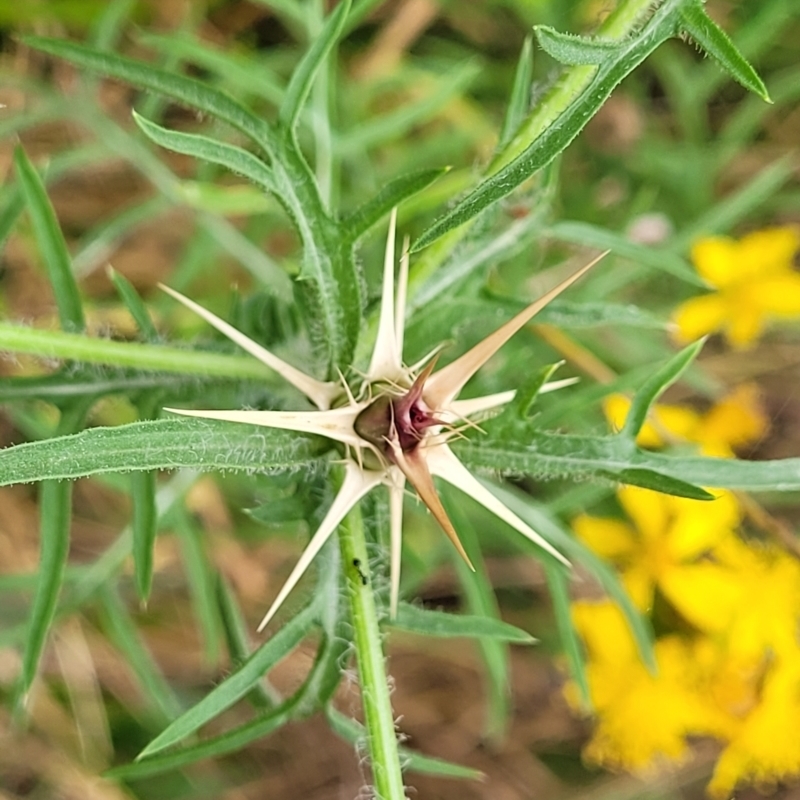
<point>664,542</point>
<point>642,718</point>
<point>753,280</point>
<point>734,422</point>
<point>750,598</point>
<point>765,747</point>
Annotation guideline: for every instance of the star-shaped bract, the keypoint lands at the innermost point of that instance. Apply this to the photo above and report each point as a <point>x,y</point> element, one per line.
<point>398,427</point>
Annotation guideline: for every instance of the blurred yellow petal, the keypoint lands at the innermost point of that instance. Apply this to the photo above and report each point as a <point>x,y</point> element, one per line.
<point>642,719</point>
<point>698,525</point>
<point>779,295</point>
<point>766,748</point>
<point>716,260</point>
<point>639,582</point>
<point>648,510</point>
<point>604,631</point>
<point>766,252</point>
<point>699,316</point>
<point>736,420</point>
<point>677,421</point>
<point>705,594</point>
<point>744,327</point>
<point>609,538</point>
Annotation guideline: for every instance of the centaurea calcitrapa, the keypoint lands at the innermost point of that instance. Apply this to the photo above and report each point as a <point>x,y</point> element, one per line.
<point>396,426</point>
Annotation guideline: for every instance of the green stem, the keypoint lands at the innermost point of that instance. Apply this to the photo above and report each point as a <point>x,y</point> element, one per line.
<point>378,714</point>
<point>621,22</point>
<point>77,347</point>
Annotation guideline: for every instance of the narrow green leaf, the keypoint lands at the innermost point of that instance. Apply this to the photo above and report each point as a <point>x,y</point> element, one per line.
<point>147,357</point>
<point>210,150</point>
<point>650,479</point>
<point>305,72</point>
<point>562,130</point>
<point>439,623</point>
<point>158,444</point>
<point>545,455</point>
<point>51,243</point>
<point>13,207</point>
<point>739,205</point>
<point>558,586</point>
<point>228,742</point>
<point>656,258</point>
<point>237,685</point>
<point>198,572</point>
<point>480,600</point>
<point>393,125</point>
<point>572,50</point>
<point>395,192</point>
<point>353,731</point>
<point>520,99</point>
<point>577,552</point>
<point>716,43</point>
<point>263,695</point>
<point>655,386</point>
<point>134,303</point>
<point>241,71</point>
<point>144,524</point>
<point>55,512</point>
<point>190,92</point>
<point>123,634</point>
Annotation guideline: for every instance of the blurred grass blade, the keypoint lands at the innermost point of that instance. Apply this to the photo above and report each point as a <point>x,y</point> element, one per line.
<point>51,243</point>
<point>210,150</point>
<point>305,72</point>
<point>520,100</point>
<point>108,28</point>
<point>228,742</point>
<point>589,235</point>
<point>144,524</point>
<point>122,633</point>
<point>578,553</point>
<point>157,444</point>
<point>55,518</point>
<point>480,600</point>
<point>237,685</point>
<point>134,303</point>
<point>558,586</point>
<point>572,50</point>
<point>353,731</point>
<point>739,205</point>
<point>655,386</point>
<point>13,207</point>
<point>198,571</point>
<point>439,623</point>
<point>365,216</point>
<point>189,92</point>
<point>135,355</point>
<point>55,511</point>
<point>262,695</point>
<point>716,43</point>
<point>569,123</point>
<point>234,69</point>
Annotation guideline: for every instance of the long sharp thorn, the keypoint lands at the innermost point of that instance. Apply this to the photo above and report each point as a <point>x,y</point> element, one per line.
<point>442,387</point>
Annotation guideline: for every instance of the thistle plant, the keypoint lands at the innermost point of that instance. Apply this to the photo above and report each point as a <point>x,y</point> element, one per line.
<point>344,407</point>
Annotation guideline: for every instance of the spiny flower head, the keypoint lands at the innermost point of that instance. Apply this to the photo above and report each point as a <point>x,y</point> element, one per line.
<point>397,427</point>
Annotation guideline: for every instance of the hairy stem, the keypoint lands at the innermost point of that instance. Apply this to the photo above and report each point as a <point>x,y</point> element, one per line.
<point>378,714</point>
